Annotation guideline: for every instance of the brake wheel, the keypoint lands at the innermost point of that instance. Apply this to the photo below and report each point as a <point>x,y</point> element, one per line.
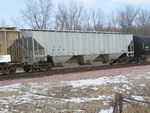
<point>12,69</point>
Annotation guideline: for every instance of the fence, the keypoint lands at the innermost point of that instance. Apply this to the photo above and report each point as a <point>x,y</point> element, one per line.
<point>120,100</point>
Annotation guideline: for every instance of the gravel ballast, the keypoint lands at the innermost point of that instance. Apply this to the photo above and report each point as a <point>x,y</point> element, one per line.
<point>76,76</point>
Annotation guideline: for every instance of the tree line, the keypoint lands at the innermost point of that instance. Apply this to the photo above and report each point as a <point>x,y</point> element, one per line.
<point>71,15</point>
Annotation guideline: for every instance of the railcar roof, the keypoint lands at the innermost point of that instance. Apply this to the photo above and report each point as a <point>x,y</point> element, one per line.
<point>74,31</point>
<point>140,36</point>
<point>8,29</point>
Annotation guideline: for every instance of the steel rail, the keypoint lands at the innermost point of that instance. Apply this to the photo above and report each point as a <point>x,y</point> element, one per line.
<point>66,71</point>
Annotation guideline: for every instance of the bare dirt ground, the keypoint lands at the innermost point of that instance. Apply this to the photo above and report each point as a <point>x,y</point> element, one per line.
<point>88,92</point>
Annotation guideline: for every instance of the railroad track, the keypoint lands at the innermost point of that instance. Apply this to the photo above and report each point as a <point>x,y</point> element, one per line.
<point>65,71</point>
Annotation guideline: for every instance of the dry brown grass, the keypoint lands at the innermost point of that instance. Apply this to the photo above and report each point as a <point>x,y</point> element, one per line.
<point>135,108</point>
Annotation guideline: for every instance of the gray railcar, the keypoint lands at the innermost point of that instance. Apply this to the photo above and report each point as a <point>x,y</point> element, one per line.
<point>80,46</point>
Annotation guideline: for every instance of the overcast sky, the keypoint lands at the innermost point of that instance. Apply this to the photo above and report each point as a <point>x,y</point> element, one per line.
<point>12,8</point>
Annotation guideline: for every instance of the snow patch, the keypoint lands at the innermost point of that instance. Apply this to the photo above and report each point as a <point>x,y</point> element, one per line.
<point>98,81</point>
<point>137,97</point>
<point>142,85</point>
<point>147,77</point>
<point>25,98</point>
<point>126,87</point>
<point>15,101</point>
<point>80,100</point>
<point>94,88</point>
<point>107,110</point>
<point>39,87</point>
<point>9,88</point>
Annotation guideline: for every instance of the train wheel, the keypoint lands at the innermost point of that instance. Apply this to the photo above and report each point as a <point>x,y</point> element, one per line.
<point>5,72</point>
<point>5,69</point>
<point>27,68</point>
<point>12,69</point>
<point>43,67</point>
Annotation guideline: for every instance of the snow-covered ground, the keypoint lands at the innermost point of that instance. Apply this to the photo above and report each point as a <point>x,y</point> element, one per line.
<point>80,96</point>
<point>98,81</point>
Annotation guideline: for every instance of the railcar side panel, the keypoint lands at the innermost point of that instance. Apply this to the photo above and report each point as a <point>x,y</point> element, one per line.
<point>75,43</point>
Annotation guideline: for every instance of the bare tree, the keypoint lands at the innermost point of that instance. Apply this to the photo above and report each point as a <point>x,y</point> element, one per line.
<point>143,22</point>
<point>70,15</point>
<point>126,18</point>
<point>38,13</point>
<point>112,22</point>
<point>17,22</point>
<point>98,20</point>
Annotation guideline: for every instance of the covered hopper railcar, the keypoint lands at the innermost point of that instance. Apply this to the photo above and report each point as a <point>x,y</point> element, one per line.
<point>11,50</point>
<point>47,48</point>
<point>42,49</point>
